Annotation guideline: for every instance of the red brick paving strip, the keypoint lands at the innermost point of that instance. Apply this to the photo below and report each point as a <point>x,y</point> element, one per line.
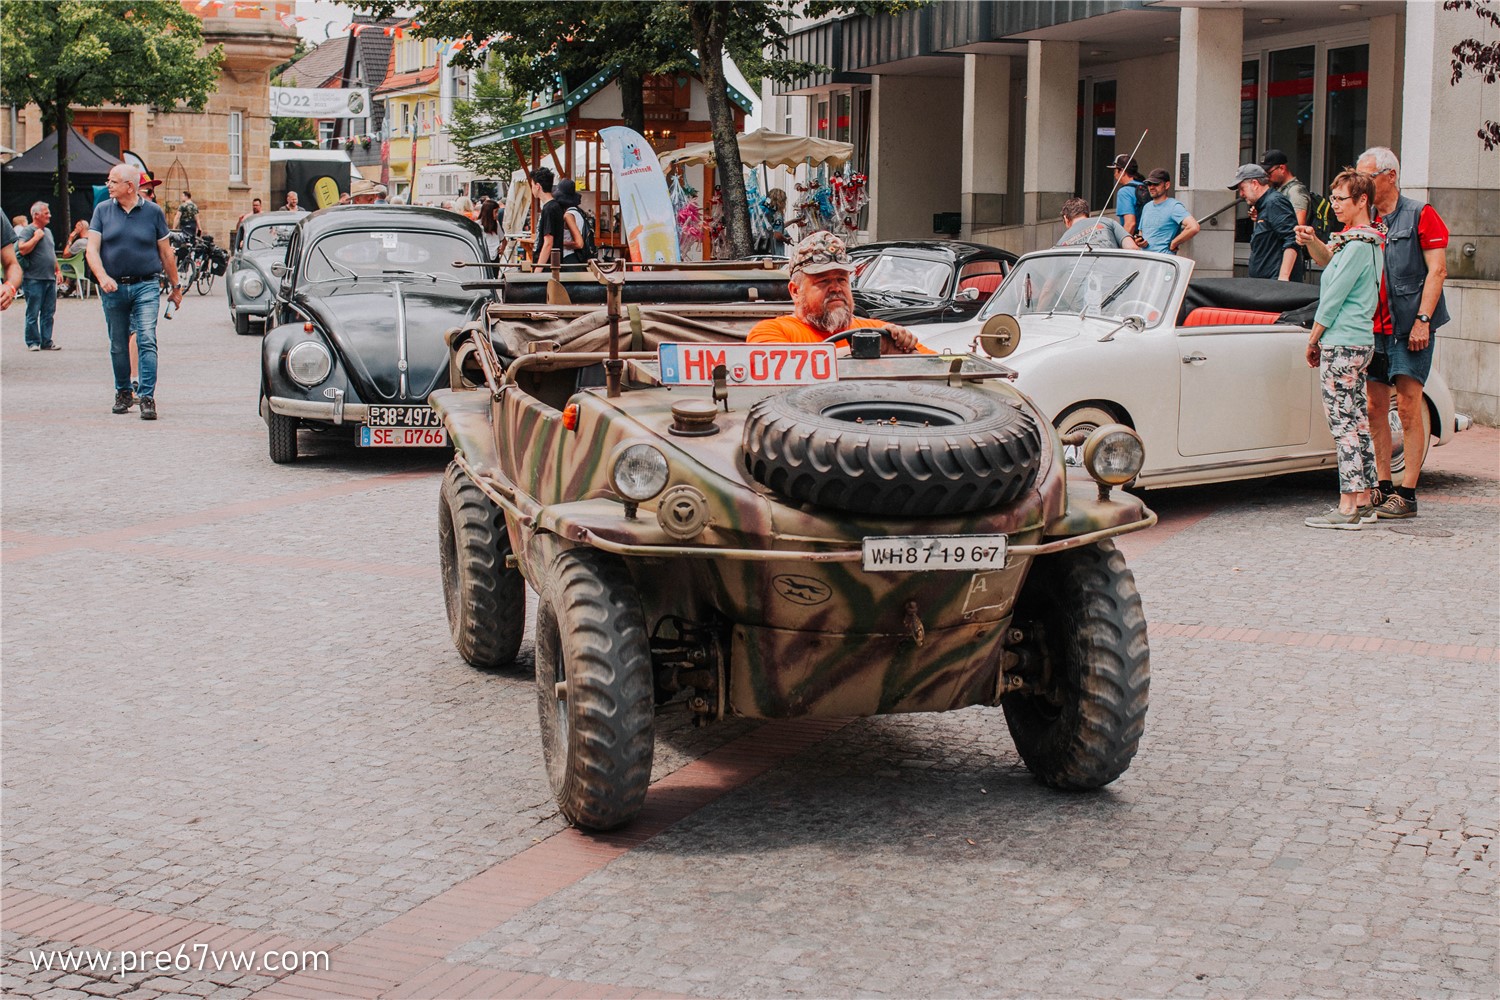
<point>405,957</point>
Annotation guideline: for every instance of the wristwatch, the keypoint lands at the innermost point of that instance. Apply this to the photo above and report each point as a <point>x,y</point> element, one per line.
<point>1424,318</point>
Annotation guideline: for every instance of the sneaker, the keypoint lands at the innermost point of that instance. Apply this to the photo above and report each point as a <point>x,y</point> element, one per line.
<point>51,347</point>
<point>1397,507</point>
<point>33,347</point>
<point>1335,518</point>
<point>124,400</point>
<point>1367,514</point>
<point>1377,496</point>
<point>148,408</point>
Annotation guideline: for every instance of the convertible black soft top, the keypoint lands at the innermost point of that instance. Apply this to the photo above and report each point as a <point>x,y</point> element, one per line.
<point>1289,298</point>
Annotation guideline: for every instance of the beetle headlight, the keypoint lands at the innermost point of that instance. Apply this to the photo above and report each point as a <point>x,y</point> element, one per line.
<point>308,363</point>
<point>638,472</point>
<point>1113,454</point>
<point>253,286</point>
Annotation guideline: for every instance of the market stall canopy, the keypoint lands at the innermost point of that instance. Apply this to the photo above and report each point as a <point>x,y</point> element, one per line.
<point>83,157</point>
<point>773,149</point>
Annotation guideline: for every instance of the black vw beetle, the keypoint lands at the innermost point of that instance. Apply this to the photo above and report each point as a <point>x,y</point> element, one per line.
<point>926,281</point>
<point>356,341</point>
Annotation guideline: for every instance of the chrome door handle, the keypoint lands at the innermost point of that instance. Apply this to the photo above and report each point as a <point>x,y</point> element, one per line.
<point>1194,359</point>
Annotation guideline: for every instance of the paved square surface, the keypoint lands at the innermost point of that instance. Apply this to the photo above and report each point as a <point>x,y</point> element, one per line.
<point>233,721</point>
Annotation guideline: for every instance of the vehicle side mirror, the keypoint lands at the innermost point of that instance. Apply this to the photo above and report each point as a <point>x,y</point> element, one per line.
<point>280,270</point>
<point>1000,335</point>
<point>967,295</point>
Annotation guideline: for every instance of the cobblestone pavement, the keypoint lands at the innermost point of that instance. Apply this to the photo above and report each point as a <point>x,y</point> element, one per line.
<point>234,722</point>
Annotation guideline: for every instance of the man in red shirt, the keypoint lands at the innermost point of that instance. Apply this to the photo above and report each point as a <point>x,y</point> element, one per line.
<point>823,303</point>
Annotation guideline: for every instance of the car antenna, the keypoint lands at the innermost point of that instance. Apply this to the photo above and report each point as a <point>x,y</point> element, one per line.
<point>1084,246</point>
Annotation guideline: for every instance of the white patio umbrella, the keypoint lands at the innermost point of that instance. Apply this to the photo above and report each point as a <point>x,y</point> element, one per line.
<point>764,147</point>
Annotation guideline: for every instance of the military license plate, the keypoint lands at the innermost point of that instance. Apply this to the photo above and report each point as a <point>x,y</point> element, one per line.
<point>402,416</point>
<point>905,553</point>
<point>748,364</point>
<point>402,437</point>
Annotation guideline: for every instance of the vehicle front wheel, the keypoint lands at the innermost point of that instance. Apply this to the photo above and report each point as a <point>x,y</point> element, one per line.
<point>281,438</point>
<point>485,600</point>
<point>594,690</point>
<point>242,324</point>
<point>1083,418</point>
<point>1086,665</point>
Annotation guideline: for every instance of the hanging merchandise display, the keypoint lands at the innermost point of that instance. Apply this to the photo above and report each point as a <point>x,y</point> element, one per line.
<point>689,218</point>
<point>814,211</point>
<point>718,234</point>
<point>850,195</point>
<point>760,225</point>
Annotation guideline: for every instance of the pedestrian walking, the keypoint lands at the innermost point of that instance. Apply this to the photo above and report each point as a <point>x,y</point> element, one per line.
<point>187,215</point>
<point>1342,344</point>
<point>128,251</point>
<point>1166,223</point>
<point>37,253</point>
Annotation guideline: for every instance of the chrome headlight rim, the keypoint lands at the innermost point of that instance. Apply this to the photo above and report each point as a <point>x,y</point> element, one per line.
<point>1114,454</point>
<point>639,471</point>
<point>252,286</point>
<point>308,363</point>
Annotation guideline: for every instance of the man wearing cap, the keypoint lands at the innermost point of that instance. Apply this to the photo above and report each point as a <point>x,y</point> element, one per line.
<point>822,302</point>
<point>1274,252</point>
<point>1274,163</point>
<point>1166,223</point>
<point>1130,195</point>
<point>128,250</point>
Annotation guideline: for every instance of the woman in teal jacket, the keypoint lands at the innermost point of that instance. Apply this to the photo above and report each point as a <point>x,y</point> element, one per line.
<point>1342,342</point>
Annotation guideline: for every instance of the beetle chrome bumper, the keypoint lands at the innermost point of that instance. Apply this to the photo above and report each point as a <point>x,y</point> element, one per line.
<point>336,411</point>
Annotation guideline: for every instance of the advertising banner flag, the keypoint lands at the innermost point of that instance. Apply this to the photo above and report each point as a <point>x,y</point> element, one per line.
<point>312,102</point>
<point>645,204</point>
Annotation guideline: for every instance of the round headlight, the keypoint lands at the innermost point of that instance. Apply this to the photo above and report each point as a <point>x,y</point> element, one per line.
<point>308,363</point>
<point>639,472</point>
<point>1114,454</point>
<point>253,286</point>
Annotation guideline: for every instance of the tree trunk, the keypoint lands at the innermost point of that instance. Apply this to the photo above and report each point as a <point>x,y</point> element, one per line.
<point>709,32</point>
<point>633,98</point>
<point>61,214</point>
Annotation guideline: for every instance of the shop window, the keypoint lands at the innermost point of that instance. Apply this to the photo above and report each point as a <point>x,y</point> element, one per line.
<point>1347,109</point>
<point>1097,142</point>
<point>1289,106</point>
<point>236,146</point>
<point>1249,108</point>
<point>822,123</point>
<point>841,121</point>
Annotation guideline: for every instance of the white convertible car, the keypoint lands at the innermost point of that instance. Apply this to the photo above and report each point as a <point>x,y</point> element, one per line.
<point>1210,372</point>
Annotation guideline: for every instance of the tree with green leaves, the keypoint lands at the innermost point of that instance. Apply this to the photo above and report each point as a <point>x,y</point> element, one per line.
<point>541,40</point>
<point>71,52</point>
<point>492,104</point>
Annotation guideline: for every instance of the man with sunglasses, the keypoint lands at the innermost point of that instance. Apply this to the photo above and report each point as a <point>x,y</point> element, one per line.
<point>1166,223</point>
<point>1411,308</point>
<point>822,301</point>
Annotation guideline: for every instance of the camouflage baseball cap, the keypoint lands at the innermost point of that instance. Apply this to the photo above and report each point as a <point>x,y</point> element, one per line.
<point>819,252</point>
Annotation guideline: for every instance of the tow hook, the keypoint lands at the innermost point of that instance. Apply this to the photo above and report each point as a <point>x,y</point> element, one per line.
<point>913,623</point>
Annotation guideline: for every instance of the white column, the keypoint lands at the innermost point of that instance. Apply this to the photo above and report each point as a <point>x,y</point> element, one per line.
<point>986,140</point>
<point>1208,108</point>
<point>1051,132</point>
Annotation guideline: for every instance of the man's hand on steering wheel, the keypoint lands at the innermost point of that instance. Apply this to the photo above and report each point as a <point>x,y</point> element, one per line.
<point>894,339</point>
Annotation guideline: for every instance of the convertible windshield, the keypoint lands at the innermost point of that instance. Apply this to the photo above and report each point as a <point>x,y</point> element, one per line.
<point>383,255</point>
<point>1086,285</point>
<point>903,274</point>
<point>269,237</point>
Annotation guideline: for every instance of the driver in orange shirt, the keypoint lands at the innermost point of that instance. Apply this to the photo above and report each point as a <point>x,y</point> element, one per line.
<point>823,303</point>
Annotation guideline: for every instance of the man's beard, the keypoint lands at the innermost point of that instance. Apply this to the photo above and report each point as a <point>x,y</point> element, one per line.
<point>834,317</point>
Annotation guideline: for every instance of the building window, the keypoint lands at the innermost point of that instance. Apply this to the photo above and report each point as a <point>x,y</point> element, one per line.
<point>1347,109</point>
<point>1289,106</point>
<point>236,146</point>
<point>325,131</point>
<point>406,119</point>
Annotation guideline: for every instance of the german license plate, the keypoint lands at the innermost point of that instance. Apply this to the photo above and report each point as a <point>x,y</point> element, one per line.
<point>905,553</point>
<point>402,416</point>
<point>748,364</point>
<point>402,437</point>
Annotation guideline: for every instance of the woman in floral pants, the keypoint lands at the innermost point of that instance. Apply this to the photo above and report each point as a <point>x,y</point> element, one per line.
<point>1342,342</point>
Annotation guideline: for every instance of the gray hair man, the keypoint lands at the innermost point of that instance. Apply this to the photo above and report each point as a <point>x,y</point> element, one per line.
<point>1273,241</point>
<point>38,255</point>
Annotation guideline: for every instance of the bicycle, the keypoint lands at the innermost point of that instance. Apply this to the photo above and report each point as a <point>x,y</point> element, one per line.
<point>186,260</point>
<point>203,264</point>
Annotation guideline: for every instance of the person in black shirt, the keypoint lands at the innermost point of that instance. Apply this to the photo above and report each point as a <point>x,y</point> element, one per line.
<point>549,224</point>
<point>1273,243</point>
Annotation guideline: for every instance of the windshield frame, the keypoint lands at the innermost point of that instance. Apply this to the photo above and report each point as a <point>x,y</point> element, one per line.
<point>1089,277</point>
<point>857,283</point>
<point>437,267</point>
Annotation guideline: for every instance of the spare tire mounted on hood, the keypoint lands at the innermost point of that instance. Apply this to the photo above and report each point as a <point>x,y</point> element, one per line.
<point>896,449</point>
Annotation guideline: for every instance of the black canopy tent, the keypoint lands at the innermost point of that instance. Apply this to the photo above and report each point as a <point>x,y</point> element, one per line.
<point>32,177</point>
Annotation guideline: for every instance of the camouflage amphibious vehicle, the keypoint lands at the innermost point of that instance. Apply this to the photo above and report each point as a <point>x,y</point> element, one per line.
<point>776,530</point>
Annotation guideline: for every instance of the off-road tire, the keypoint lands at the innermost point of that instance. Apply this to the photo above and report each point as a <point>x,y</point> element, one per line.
<point>1086,635</point>
<point>978,453</point>
<point>485,601</point>
<point>597,742</point>
<point>281,438</point>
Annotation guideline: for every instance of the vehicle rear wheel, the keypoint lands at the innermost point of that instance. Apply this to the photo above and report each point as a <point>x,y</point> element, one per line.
<point>485,600</point>
<point>594,690</point>
<point>1087,666</point>
<point>1398,442</point>
<point>1081,418</point>
<point>281,438</point>
<point>205,281</point>
<point>898,449</point>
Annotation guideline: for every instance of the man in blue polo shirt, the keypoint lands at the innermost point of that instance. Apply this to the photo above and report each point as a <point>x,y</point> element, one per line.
<point>128,249</point>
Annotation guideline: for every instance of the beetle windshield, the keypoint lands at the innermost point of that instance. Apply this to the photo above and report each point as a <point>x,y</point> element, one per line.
<point>270,237</point>
<point>383,255</point>
<point>902,274</point>
<point>1106,286</point>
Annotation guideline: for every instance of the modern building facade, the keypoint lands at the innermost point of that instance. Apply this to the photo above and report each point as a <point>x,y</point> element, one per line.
<point>999,111</point>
